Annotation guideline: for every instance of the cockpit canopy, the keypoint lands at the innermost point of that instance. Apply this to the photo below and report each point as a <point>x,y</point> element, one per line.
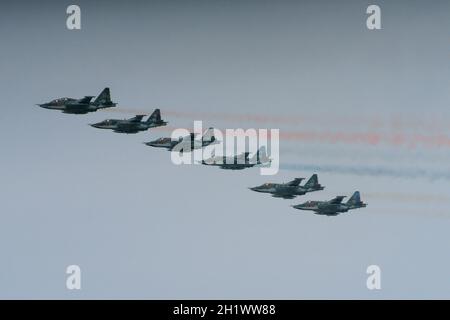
<point>61,101</point>
<point>108,122</point>
<point>310,204</point>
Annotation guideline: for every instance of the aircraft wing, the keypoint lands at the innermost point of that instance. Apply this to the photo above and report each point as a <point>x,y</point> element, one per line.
<point>244,155</point>
<point>137,118</point>
<point>215,160</point>
<point>336,200</point>
<point>284,196</point>
<point>126,125</point>
<point>75,106</point>
<point>86,99</point>
<point>295,182</point>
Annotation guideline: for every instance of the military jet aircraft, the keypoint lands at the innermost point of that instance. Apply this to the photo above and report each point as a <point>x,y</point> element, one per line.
<point>290,189</point>
<point>132,125</point>
<point>334,206</point>
<point>239,162</point>
<point>185,144</point>
<point>81,106</point>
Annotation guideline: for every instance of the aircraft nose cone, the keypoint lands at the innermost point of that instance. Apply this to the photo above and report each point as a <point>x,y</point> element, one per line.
<point>94,125</point>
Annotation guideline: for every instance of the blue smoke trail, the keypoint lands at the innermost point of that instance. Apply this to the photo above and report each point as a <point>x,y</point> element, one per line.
<point>369,171</point>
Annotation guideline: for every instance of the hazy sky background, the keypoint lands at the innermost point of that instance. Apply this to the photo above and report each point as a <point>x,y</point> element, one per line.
<point>366,110</point>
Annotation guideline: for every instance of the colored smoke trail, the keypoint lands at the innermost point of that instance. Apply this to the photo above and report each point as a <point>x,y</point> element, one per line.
<point>408,197</point>
<point>322,133</point>
<point>367,138</point>
<point>356,138</point>
<point>394,123</point>
<point>370,171</point>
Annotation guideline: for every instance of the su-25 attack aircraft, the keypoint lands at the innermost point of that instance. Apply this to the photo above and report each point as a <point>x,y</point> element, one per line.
<point>239,162</point>
<point>290,189</point>
<point>185,144</point>
<point>81,106</point>
<point>132,125</point>
<point>334,206</point>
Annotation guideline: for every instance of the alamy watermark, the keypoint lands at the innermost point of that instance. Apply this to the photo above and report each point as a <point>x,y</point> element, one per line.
<point>73,281</point>
<point>373,21</point>
<point>73,21</point>
<point>232,149</point>
<point>373,281</point>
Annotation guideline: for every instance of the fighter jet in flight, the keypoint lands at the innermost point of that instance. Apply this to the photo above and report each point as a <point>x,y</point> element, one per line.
<point>81,106</point>
<point>185,144</point>
<point>132,125</point>
<point>239,162</point>
<point>334,206</point>
<point>290,189</point>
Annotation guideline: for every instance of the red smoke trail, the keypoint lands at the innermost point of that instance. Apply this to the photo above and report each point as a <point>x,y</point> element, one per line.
<point>323,134</point>
<point>394,123</point>
<point>356,138</point>
<point>368,138</point>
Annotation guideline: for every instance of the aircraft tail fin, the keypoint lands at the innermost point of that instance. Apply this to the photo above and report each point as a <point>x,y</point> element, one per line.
<point>155,116</point>
<point>313,183</point>
<point>104,98</point>
<point>208,135</point>
<point>261,156</point>
<point>355,200</point>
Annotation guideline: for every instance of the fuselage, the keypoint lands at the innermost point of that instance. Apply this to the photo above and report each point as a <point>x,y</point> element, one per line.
<point>74,106</point>
<point>231,163</point>
<point>323,208</point>
<point>126,126</point>
<point>185,144</point>
<point>284,189</point>
<point>275,188</point>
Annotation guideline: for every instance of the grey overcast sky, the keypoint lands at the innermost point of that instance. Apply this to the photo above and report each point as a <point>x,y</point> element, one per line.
<point>366,110</point>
